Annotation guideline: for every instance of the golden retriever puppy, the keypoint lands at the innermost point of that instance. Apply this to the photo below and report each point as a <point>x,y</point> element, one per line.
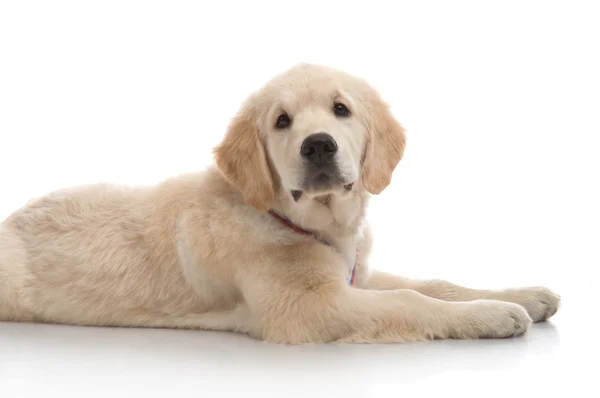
<point>271,241</point>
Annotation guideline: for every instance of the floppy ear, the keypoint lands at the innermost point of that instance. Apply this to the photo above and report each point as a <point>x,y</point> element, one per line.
<point>384,148</point>
<point>242,160</point>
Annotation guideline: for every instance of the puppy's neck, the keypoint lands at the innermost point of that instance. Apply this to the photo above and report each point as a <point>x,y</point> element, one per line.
<point>331,215</point>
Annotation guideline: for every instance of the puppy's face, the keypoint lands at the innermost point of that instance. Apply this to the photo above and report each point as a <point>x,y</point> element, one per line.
<point>315,132</point>
<point>311,131</point>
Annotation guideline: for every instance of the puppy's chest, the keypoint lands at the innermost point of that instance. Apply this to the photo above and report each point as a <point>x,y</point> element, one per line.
<point>347,247</point>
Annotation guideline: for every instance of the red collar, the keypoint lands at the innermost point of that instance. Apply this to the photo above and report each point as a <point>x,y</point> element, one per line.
<point>288,223</point>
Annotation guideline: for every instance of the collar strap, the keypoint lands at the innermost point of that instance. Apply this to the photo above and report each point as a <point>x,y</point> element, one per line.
<point>290,224</point>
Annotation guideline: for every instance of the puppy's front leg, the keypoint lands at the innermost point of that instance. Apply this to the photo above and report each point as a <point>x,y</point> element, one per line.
<point>330,312</point>
<point>540,302</point>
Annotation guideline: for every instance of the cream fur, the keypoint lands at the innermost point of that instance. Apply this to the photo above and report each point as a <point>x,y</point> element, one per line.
<point>199,251</point>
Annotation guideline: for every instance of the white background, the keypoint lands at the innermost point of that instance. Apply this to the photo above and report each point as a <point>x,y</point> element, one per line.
<point>499,186</point>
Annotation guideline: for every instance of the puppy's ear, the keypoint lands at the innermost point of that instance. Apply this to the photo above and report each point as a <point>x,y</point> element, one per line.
<point>385,147</point>
<point>242,159</point>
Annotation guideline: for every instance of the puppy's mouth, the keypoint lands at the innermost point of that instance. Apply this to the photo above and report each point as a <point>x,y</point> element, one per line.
<point>322,180</point>
<point>297,193</point>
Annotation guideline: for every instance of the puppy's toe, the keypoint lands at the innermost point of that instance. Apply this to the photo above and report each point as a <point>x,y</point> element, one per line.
<point>541,303</point>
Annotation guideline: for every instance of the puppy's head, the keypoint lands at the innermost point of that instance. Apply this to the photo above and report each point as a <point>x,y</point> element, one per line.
<point>311,131</point>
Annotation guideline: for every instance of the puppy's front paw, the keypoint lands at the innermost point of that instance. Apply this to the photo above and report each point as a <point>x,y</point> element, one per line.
<point>493,319</point>
<point>541,303</point>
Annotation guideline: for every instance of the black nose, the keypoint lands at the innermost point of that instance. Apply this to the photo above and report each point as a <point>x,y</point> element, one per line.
<point>318,148</point>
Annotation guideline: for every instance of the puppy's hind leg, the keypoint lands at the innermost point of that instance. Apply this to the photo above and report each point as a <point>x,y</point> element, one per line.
<point>13,275</point>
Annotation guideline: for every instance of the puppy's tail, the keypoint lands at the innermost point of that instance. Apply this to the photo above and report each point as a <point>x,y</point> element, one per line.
<point>13,274</point>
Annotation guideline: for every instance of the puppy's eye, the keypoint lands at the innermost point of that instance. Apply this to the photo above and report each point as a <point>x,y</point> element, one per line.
<point>283,121</point>
<point>341,109</point>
